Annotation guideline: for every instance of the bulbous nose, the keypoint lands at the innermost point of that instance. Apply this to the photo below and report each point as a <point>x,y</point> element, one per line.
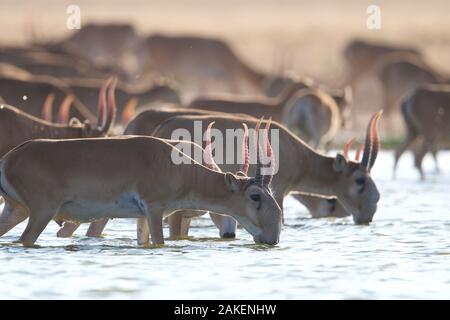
<point>229,235</point>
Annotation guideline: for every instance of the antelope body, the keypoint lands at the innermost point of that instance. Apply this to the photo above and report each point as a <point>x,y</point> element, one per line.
<point>88,179</point>
<point>426,113</point>
<point>31,93</point>
<point>399,74</point>
<point>201,61</point>
<point>304,170</point>
<point>314,115</point>
<point>361,56</point>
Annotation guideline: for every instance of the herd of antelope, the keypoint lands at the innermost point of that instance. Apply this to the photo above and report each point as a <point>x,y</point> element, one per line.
<point>86,134</point>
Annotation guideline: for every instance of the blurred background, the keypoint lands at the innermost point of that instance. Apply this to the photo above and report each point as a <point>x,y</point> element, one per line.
<point>307,37</point>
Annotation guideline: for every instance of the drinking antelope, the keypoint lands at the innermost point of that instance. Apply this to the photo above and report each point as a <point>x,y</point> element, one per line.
<point>225,224</point>
<point>96,184</point>
<point>303,169</point>
<point>426,113</point>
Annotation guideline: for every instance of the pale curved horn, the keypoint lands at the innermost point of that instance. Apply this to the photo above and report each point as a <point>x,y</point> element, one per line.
<point>208,158</point>
<point>258,176</point>
<point>347,146</point>
<point>111,106</point>
<point>358,152</point>
<point>47,109</point>
<point>64,109</point>
<point>129,111</point>
<point>269,152</point>
<point>245,153</point>
<point>372,144</point>
<point>101,116</point>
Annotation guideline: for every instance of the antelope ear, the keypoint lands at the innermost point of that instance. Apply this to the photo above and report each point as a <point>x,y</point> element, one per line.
<point>232,182</point>
<point>340,163</point>
<point>74,122</point>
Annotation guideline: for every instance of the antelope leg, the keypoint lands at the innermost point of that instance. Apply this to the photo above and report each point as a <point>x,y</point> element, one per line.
<point>96,228</point>
<point>10,217</point>
<point>143,232</point>
<point>37,222</point>
<point>67,229</point>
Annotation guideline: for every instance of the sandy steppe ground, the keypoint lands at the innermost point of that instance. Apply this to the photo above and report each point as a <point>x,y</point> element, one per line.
<point>312,33</point>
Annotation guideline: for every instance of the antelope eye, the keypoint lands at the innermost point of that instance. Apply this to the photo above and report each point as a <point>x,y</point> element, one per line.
<point>255,197</point>
<point>360,181</point>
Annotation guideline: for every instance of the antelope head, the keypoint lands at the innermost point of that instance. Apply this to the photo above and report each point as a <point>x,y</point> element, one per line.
<point>106,112</point>
<point>252,201</point>
<point>356,190</point>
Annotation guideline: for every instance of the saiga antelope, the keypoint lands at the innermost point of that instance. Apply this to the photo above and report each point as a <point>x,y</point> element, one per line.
<point>361,56</point>
<point>17,126</point>
<point>426,113</point>
<point>202,63</point>
<point>255,106</point>
<point>225,224</point>
<point>88,179</point>
<point>30,92</point>
<point>400,74</point>
<point>304,170</point>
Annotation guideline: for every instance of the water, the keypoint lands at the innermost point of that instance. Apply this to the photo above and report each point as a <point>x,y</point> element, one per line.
<point>404,253</point>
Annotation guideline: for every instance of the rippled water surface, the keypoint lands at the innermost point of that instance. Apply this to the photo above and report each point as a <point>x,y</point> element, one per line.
<point>404,253</point>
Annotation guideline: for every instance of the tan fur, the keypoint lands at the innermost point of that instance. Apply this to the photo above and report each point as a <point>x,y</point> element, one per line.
<point>361,56</point>
<point>321,208</point>
<point>17,127</point>
<point>399,74</point>
<point>300,167</point>
<point>202,63</point>
<point>426,112</point>
<point>96,183</point>
<point>28,93</point>
<point>315,115</point>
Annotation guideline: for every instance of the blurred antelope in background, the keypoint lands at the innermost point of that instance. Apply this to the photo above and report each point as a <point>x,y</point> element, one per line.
<point>399,74</point>
<point>361,56</point>
<point>203,63</point>
<point>426,113</point>
<point>316,117</point>
<point>304,170</point>
<point>30,93</point>
<point>17,126</point>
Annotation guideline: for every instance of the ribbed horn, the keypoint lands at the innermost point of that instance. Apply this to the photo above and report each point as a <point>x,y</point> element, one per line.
<point>208,158</point>
<point>372,144</point>
<point>245,153</point>
<point>128,111</point>
<point>64,109</point>
<point>47,109</point>
<point>101,116</point>
<point>111,106</point>
<point>269,153</point>
<point>347,147</point>
<point>358,152</point>
<point>258,176</point>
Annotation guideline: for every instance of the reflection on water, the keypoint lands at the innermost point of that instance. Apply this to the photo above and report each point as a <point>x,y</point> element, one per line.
<point>404,253</point>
